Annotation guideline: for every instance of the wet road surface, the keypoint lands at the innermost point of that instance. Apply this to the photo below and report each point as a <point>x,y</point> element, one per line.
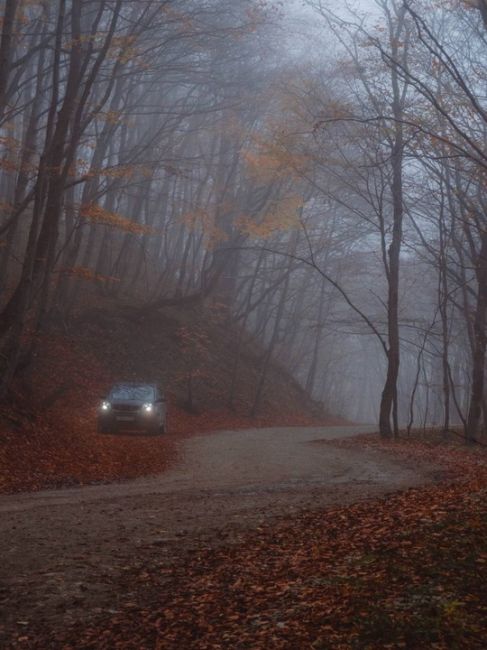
<point>62,550</point>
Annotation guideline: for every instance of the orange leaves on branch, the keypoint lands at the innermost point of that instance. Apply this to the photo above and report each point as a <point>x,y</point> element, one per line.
<point>97,214</point>
<point>82,167</point>
<point>119,171</point>
<point>282,215</point>
<point>79,167</point>
<point>85,273</point>
<point>10,143</point>
<point>277,158</point>
<point>8,165</point>
<point>111,117</point>
<point>186,24</point>
<point>196,218</point>
<point>338,110</point>
<point>275,163</point>
<point>204,220</point>
<point>122,48</point>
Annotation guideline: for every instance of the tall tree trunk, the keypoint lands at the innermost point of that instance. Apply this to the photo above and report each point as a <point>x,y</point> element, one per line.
<point>479,347</point>
<point>311,377</point>
<point>443,308</point>
<point>389,399</point>
<point>388,404</point>
<point>40,254</point>
<point>6,49</point>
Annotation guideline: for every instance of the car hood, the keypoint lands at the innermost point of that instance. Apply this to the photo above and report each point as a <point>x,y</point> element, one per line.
<point>127,402</point>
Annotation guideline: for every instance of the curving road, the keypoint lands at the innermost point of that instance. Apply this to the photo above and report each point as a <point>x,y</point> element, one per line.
<point>64,550</point>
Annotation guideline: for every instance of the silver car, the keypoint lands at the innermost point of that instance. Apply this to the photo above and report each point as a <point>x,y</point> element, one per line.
<point>133,406</point>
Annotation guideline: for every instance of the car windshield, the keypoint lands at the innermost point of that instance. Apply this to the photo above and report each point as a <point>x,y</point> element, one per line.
<point>141,393</point>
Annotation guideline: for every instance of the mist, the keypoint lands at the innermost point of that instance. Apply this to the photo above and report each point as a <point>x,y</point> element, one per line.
<point>243,324</point>
<point>316,170</point>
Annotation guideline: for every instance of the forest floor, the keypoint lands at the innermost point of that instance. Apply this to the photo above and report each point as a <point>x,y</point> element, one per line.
<point>279,538</point>
<point>48,435</point>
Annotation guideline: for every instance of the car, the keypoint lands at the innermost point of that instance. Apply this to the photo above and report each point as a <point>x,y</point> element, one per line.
<point>133,406</point>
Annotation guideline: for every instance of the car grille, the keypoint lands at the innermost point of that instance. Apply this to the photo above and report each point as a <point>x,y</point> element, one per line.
<point>126,408</point>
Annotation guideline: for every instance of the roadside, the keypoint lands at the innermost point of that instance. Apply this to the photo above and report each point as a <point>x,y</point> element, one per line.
<point>75,559</point>
<point>48,433</point>
<point>407,571</point>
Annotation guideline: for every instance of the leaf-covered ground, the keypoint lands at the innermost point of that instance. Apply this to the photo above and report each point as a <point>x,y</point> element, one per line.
<point>405,571</point>
<point>48,433</point>
<point>61,450</point>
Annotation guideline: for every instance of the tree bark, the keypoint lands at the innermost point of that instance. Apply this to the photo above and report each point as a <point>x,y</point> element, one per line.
<point>6,50</point>
<point>388,404</point>
<point>479,348</point>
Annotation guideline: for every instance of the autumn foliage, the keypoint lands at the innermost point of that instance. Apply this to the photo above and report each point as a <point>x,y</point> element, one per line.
<point>405,571</point>
<point>48,432</point>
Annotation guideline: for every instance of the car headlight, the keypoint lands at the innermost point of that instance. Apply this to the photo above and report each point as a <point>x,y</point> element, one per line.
<point>148,408</point>
<point>105,406</point>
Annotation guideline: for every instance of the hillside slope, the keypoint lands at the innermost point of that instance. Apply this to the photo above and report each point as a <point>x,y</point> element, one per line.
<point>48,432</point>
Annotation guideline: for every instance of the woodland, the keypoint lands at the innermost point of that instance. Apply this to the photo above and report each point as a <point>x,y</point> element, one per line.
<point>330,197</point>
<point>281,208</point>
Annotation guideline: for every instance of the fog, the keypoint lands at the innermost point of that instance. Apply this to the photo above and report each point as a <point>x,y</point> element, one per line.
<point>317,171</point>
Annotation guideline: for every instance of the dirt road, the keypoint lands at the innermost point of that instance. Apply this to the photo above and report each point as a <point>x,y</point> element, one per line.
<point>64,552</point>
